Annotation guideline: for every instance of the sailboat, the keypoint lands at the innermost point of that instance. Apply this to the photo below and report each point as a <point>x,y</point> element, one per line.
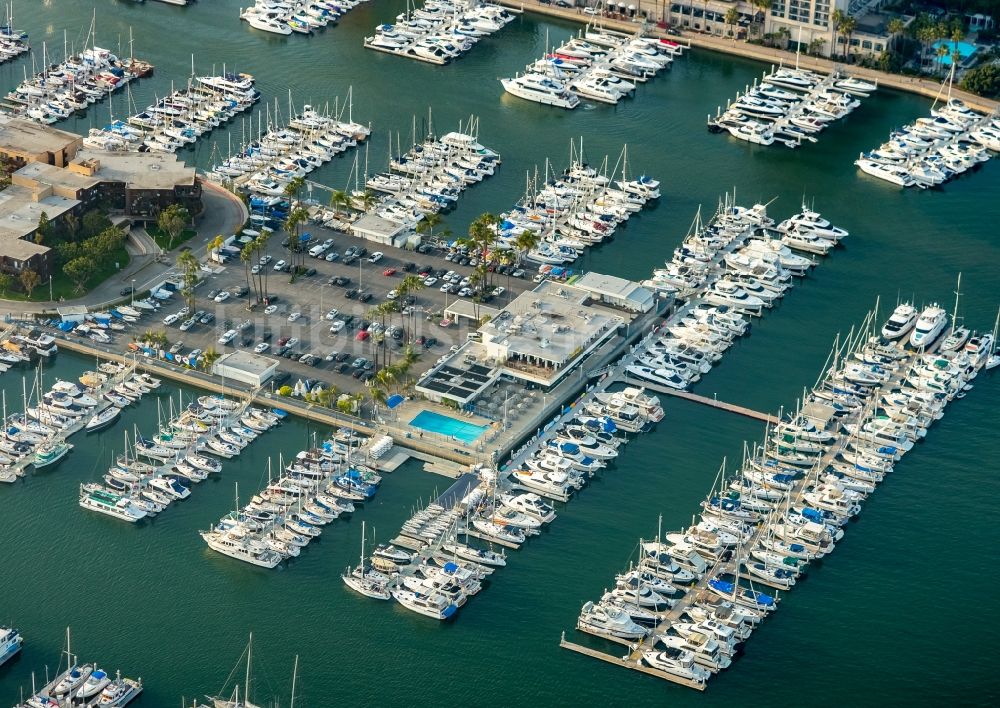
<point>362,581</point>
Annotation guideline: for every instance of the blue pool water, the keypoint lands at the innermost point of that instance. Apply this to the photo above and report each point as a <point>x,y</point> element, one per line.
<point>965,50</point>
<point>446,425</point>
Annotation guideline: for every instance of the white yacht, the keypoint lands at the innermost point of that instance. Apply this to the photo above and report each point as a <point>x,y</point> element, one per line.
<point>97,498</point>
<point>608,620</point>
<point>929,326</point>
<point>236,543</point>
<point>540,89</point>
<point>435,606</point>
<point>900,322</point>
<point>10,643</point>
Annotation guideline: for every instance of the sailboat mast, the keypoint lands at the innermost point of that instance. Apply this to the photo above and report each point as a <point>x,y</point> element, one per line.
<point>246,684</point>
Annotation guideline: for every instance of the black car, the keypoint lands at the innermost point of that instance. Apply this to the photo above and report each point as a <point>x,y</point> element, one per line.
<point>271,299</point>
<point>280,351</point>
<point>342,356</point>
<point>358,373</point>
<point>424,269</point>
<point>310,272</point>
<point>125,291</point>
<point>361,252</point>
<point>246,341</point>
<point>212,294</point>
<point>344,368</point>
<point>365,297</point>
<point>408,267</point>
<point>347,319</point>
<point>409,299</point>
<point>280,377</point>
<point>342,281</point>
<point>207,318</point>
<point>351,294</point>
<point>241,291</point>
<point>563,3</point>
<point>291,354</point>
<point>265,335</point>
<point>350,260</point>
<point>430,342</point>
<point>364,324</point>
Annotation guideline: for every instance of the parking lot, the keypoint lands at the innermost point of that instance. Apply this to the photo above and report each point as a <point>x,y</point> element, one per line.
<point>299,318</point>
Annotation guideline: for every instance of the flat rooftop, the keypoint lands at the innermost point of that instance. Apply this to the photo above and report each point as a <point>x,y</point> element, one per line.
<point>470,310</point>
<point>248,362</point>
<point>19,214</point>
<point>55,176</point>
<point>377,226</point>
<point>24,136</point>
<point>140,170</point>
<point>549,326</point>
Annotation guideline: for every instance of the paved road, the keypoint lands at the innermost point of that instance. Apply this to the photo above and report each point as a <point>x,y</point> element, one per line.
<point>224,213</point>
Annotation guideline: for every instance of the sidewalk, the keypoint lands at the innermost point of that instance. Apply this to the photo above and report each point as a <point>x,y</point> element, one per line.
<point>224,213</point>
<point>925,87</point>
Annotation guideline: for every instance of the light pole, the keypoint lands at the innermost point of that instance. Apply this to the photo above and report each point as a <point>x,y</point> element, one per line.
<point>50,288</point>
<point>133,292</point>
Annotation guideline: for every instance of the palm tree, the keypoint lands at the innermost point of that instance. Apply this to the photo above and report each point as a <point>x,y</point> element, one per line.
<point>294,188</point>
<point>293,225</point>
<point>189,266</point>
<point>848,27</point>
<point>895,27</point>
<point>208,358</point>
<point>427,224</point>
<point>526,241</point>
<point>732,17</point>
<point>246,258</point>
<point>837,18</point>
<point>339,200</point>
<point>369,199</point>
<point>214,245</point>
<point>940,53</point>
<point>764,5</point>
<point>508,258</point>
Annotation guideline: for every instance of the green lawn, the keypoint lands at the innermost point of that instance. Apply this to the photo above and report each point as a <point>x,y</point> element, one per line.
<point>63,287</point>
<point>163,240</point>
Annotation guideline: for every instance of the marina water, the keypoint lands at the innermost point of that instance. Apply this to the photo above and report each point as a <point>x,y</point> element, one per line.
<point>893,616</point>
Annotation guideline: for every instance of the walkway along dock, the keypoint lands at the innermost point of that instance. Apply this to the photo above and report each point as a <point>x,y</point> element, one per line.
<point>705,400</point>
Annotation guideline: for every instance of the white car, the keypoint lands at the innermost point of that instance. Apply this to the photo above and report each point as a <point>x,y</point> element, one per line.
<point>256,268</point>
<point>280,265</point>
<point>265,259</point>
<point>262,347</point>
<point>332,314</point>
<point>223,296</point>
<point>336,326</point>
<point>184,311</point>
<point>499,290</point>
<point>446,287</point>
<point>170,319</point>
<point>464,281</point>
<point>591,11</point>
<point>294,316</point>
<point>430,281</point>
<point>229,336</point>
<point>393,294</point>
<point>187,324</point>
<point>465,292</point>
<point>292,342</point>
<point>328,243</point>
<point>270,309</point>
<point>375,257</point>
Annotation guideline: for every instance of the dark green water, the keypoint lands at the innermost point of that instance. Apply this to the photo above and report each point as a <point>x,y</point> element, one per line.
<point>903,611</point>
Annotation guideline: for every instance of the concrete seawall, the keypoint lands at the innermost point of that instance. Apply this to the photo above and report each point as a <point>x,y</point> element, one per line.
<point>924,87</point>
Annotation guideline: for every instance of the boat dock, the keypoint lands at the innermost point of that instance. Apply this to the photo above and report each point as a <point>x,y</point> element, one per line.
<point>19,467</point>
<point>624,661</point>
<point>705,400</point>
<point>806,479</point>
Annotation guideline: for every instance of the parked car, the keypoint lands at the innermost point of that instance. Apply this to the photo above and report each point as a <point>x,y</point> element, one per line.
<point>227,337</point>
<point>294,316</point>
<point>280,265</point>
<point>351,294</point>
<point>375,257</point>
<point>389,272</point>
<point>336,326</point>
<point>125,292</point>
<point>170,319</point>
<point>176,347</point>
<point>212,294</point>
<point>207,318</point>
<point>261,348</point>
<point>365,297</point>
<point>362,335</point>
<point>332,256</point>
<point>270,309</point>
<point>392,295</point>
<point>256,268</point>
<point>332,314</point>
<point>187,324</point>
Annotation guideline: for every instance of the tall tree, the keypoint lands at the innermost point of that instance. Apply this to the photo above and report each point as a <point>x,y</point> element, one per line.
<point>246,258</point>
<point>189,276</point>
<point>172,221</point>
<point>732,17</point>
<point>29,281</point>
<point>44,229</point>
<point>79,271</point>
<point>5,283</point>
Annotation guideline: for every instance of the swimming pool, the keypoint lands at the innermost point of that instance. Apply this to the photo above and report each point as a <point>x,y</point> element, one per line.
<point>965,50</point>
<point>446,425</point>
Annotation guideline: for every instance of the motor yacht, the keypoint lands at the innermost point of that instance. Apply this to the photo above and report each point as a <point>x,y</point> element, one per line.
<point>899,324</point>
<point>929,325</point>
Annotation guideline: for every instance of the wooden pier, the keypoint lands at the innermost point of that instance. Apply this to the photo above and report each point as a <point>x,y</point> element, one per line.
<point>629,662</point>
<point>704,400</point>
